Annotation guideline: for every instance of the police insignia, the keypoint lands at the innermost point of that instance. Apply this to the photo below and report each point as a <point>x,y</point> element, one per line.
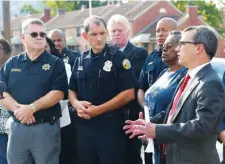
<point>15,70</point>
<point>107,66</point>
<point>80,68</point>
<point>46,67</point>
<point>66,59</point>
<point>126,64</point>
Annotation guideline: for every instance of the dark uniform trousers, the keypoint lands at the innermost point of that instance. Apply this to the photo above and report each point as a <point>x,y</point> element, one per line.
<point>133,146</point>
<point>68,151</point>
<point>107,148</point>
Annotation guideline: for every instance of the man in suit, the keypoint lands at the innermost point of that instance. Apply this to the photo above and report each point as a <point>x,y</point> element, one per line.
<point>196,111</point>
<point>118,27</point>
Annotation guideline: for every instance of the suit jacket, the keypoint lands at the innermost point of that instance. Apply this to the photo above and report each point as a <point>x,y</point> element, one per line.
<point>137,56</point>
<point>192,136</point>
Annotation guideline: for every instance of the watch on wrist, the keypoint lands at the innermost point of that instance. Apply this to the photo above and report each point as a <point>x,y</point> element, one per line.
<point>33,107</point>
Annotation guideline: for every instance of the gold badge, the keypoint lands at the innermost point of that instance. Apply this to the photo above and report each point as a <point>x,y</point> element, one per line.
<point>46,67</point>
<point>126,64</point>
<point>15,70</point>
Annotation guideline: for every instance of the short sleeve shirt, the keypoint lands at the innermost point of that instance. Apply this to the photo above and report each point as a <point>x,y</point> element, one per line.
<point>28,81</point>
<point>100,77</point>
<point>151,70</point>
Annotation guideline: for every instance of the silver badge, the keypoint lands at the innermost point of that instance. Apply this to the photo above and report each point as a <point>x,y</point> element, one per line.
<point>107,66</point>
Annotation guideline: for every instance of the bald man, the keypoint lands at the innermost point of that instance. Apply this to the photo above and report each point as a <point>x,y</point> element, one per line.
<point>68,132</point>
<point>58,36</point>
<point>154,65</point>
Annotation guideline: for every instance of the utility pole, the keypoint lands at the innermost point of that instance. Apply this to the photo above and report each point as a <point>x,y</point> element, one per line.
<point>90,8</point>
<point>6,20</point>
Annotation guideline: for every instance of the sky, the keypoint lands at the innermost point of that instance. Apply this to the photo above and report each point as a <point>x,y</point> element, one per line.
<point>16,5</point>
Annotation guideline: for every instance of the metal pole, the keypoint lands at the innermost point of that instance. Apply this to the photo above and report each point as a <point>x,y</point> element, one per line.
<point>6,20</point>
<point>90,8</point>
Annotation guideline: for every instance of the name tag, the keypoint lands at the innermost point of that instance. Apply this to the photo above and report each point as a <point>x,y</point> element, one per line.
<point>15,70</point>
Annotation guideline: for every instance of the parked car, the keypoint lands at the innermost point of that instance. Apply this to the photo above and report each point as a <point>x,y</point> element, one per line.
<point>218,65</point>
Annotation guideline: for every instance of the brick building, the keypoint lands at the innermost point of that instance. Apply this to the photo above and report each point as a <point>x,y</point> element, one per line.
<point>142,15</point>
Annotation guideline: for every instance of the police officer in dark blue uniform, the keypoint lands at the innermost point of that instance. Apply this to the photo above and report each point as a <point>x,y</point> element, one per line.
<point>154,65</point>
<point>58,36</point>
<point>36,81</point>
<point>102,82</point>
<point>67,132</point>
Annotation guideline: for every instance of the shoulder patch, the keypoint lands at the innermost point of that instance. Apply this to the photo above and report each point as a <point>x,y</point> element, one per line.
<point>126,64</point>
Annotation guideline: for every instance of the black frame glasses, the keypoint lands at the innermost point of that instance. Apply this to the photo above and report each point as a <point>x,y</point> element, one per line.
<point>36,34</point>
<point>186,42</point>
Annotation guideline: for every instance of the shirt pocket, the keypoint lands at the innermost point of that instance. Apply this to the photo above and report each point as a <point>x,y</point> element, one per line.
<point>105,79</point>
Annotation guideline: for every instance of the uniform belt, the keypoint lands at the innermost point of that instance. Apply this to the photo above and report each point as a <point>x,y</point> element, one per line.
<point>40,121</point>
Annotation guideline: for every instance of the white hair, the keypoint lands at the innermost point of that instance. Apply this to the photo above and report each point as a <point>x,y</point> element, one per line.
<point>29,21</point>
<point>118,19</point>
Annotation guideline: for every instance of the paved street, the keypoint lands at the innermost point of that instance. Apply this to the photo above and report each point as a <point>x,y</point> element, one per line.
<point>218,146</point>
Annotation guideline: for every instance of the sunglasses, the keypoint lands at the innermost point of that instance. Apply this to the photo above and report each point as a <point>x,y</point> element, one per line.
<point>36,34</point>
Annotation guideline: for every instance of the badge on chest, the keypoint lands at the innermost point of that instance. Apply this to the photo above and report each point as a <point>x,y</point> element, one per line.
<point>108,65</point>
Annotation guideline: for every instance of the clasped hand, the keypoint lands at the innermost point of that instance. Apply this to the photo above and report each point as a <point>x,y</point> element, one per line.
<point>24,114</point>
<point>86,110</point>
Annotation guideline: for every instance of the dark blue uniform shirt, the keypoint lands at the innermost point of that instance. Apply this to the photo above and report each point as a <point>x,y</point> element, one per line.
<point>69,56</point>
<point>28,81</point>
<point>97,78</point>
<point>152,68</point>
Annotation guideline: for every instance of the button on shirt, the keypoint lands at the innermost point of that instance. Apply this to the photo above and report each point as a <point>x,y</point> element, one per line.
<point>100,77</point>
<point>28,81</point>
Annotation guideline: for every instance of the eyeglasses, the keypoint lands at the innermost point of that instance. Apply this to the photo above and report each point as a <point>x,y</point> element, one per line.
<point>36,34</point>
<point>167,46</point>
<point>181,43</point>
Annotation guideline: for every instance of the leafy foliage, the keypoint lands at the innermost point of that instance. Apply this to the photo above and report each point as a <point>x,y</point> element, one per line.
<point>27,8</point>
<point>70,5</point>
<point>212,15</point>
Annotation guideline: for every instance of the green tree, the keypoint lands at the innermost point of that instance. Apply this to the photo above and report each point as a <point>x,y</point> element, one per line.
<point>70,5</point>
<point>28,9</point>
<point>212,15</point>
